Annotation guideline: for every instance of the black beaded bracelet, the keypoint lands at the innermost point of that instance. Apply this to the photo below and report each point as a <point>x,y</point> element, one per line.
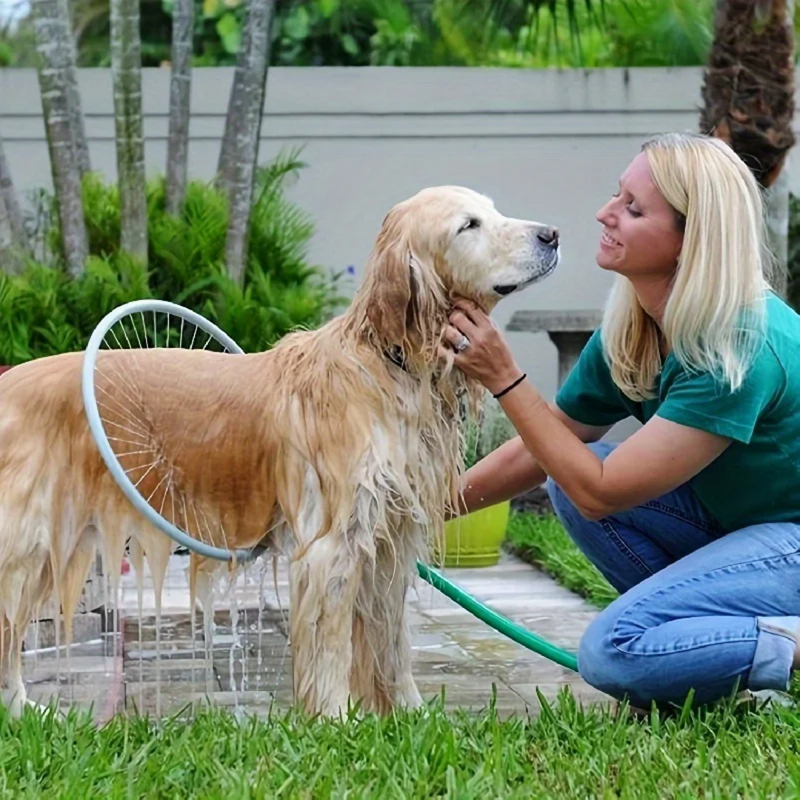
<point>517,382</point>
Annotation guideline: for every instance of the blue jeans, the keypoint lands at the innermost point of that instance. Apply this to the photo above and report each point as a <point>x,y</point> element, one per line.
<point>700,609</point>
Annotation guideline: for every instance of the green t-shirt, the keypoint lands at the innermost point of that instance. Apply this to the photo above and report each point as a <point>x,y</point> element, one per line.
<point>757,478</point>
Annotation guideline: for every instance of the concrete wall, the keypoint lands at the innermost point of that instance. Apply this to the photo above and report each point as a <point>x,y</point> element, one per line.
<point>545,145</point>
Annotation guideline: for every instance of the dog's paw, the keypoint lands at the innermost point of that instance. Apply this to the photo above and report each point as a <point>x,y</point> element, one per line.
<point>51,710</point>
<point>14,701</point>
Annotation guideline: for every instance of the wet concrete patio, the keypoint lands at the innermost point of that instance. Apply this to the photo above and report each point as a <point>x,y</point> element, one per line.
<point>249,668</point>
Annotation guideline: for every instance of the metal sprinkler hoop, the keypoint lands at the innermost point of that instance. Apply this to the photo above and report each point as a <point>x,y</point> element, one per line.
<point>432,576</point>
<point>142,307</point>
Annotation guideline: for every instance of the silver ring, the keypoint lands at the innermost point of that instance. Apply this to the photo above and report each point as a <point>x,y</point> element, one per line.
<point>463,344</point>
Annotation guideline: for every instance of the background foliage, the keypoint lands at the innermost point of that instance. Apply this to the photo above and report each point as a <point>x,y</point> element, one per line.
<point>44,311</point>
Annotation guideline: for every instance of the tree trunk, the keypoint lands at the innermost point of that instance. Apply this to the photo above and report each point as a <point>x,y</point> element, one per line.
<point>748,90</point>
<point>179,104</point>
<point>11,207</point>
<point>53,46</point>
<point>748,95</point>
<point>126,68</point>
<point>776,199</point>
<point>10,254</point>
<point>242,130</point>
<point>233,116</point>
<point>76,113</point>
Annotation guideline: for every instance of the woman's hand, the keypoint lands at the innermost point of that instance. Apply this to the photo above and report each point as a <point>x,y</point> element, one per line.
<point>484,353</point>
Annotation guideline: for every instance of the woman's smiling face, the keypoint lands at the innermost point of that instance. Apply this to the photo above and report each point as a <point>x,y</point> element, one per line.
<point>641,232</point>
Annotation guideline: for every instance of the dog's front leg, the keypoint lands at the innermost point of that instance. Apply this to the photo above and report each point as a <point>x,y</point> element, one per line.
<point>382,674</point>
<point>324,582</point>
<point>394,651</point>
<point>12,689</point>
<point>406,693</point>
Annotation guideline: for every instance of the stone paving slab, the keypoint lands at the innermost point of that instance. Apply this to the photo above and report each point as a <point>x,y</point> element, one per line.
<point>452,651</point>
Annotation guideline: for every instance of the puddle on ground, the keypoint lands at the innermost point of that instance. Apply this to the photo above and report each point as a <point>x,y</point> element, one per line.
<point>126,671</point>
<point>167,663</point>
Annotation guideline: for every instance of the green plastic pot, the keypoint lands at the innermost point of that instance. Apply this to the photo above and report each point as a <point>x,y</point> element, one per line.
<point>474,540</point>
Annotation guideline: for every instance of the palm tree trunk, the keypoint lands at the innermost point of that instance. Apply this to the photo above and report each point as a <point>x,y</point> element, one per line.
<point>126,68</point>
<point>748,89</point>
<point>233,116</point>
<point>748,95</point>
<point>777,200</point>
<point>10,255</point>
<point>777,212</point>
<point>54,49</point>
<point>10,205</point>
<point>77,123</point>
<point>179,104</point>
<point>239,153</point>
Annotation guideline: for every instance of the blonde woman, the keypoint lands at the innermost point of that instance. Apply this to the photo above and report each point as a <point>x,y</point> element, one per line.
<point>695,518</point>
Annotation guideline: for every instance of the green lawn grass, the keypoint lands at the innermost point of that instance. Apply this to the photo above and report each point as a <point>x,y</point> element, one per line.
<point>565,752</point>
<point>541,540</point>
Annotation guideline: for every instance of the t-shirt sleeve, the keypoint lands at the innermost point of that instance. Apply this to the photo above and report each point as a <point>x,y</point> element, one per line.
<point>588,394</point>
<point>702,401</point>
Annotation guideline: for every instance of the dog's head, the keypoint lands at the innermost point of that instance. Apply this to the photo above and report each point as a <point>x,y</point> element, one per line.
<point>449,241</point>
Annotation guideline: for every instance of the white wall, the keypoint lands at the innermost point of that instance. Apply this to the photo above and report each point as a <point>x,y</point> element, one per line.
<point>546,145</point>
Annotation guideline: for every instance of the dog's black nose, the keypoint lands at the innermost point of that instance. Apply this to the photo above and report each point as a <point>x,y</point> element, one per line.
<point>548,236</point>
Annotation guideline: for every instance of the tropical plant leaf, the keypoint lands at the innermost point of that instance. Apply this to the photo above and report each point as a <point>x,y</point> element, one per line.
<point>44,311</point>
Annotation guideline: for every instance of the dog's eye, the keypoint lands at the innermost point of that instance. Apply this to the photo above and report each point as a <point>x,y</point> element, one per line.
<point>470,224</point>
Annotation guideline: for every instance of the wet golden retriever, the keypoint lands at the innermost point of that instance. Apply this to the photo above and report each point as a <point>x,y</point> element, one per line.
<point>339,447</point>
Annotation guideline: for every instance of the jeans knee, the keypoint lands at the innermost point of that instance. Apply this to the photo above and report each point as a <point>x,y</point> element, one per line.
<point>620,672</point>
<point>599,660</point>
<point>558,499</point>
<point>562,505</point>
<point>574,523</point>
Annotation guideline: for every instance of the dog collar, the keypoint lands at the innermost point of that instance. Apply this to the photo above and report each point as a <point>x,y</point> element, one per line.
<point>396,356</point>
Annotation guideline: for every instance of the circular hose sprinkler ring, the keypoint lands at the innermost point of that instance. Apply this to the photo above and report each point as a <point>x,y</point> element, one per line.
<point>497,621</point>
<point>141,307</point>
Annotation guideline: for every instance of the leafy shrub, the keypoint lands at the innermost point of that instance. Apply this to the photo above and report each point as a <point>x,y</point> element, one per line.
<point>43,311</point>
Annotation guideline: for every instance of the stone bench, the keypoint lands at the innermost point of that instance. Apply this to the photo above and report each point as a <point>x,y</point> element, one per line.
<point>568,330</point>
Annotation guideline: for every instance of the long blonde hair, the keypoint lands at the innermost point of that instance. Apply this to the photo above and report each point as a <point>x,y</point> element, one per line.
<point>714,316</point>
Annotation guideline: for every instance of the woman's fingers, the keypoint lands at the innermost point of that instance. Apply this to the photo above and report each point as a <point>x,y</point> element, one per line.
<point>454,336</point>
<point>459,320</point>
<point>470,310</point>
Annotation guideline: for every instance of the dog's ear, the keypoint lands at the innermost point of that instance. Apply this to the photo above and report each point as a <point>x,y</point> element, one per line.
<point>391,283</point>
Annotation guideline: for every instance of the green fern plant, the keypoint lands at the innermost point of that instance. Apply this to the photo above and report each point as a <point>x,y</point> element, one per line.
<point>43,311</point>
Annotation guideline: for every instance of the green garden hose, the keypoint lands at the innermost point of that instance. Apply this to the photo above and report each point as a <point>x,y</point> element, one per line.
<point>497,621</point>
